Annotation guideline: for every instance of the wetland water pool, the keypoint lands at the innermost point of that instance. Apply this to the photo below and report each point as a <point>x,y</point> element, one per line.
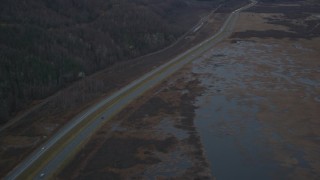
<point>248,115</point>
<point>232,139</point>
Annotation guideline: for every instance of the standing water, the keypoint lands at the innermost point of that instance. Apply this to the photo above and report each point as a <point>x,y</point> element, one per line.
<point>232,139</point>
<point>226,119</point>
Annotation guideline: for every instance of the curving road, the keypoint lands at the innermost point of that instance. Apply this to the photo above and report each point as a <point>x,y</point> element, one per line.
<point>49,158</point>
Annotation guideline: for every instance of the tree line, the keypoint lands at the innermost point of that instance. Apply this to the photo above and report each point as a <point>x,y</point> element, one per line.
<point>47,44</point>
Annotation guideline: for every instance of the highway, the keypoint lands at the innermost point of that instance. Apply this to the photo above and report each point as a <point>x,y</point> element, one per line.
<point>49,158</point>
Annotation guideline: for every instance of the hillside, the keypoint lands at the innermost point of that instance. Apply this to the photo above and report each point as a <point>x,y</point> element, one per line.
<point>45,45</point>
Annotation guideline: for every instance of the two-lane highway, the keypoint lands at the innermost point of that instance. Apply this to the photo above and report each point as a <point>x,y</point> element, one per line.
<point>67,141</point>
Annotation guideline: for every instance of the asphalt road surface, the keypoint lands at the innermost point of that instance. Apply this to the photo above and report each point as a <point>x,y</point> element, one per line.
<point>46,160</point>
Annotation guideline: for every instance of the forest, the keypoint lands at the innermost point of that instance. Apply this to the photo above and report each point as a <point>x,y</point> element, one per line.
<point>45,45</point>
